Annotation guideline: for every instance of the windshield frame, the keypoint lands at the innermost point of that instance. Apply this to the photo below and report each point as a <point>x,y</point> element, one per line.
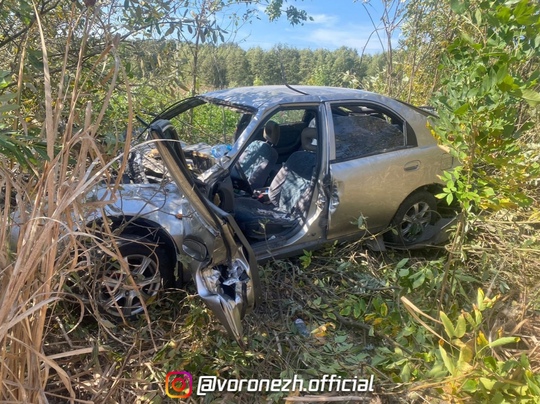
<point>174,111</point>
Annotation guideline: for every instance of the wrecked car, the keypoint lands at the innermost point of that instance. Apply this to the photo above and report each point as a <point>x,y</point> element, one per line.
<point>290,169</point>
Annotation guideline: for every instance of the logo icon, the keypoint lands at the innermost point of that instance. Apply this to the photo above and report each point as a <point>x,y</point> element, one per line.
<point>178,384</point>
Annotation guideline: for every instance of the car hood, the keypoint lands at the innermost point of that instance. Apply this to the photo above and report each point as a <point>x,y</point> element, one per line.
<point>141,199</point>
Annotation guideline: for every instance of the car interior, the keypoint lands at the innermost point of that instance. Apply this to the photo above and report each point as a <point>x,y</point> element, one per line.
<point>270,186</point>
<point>273,192</point>
<point>283,205</point>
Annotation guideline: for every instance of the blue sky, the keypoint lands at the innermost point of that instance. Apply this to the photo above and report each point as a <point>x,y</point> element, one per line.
<point>335,23</point>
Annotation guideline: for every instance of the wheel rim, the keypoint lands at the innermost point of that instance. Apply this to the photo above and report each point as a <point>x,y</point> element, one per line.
<point>119,295</point>
<point>415,221</point>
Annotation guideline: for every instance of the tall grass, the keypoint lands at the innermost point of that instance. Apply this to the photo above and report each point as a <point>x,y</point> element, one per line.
<point>48,205</point>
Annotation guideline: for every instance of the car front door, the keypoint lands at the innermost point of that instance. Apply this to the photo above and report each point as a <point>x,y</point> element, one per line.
<point>220,259</point>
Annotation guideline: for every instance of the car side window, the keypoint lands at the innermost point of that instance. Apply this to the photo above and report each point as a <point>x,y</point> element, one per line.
<point>292,121</point>
<point>289,116</point>
<point>362,131</point>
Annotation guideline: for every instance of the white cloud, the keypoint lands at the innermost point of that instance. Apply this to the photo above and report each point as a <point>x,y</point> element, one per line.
<point>329,29</point>
<point>352,36</point>
<point>324,19</point>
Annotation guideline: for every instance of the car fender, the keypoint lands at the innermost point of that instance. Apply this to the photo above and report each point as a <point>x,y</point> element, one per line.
<point>156,203</point>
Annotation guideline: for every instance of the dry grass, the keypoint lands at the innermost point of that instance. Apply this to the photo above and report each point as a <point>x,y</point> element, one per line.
<point>506,252</point>
<point>127,363</point>
<point>48,206</point>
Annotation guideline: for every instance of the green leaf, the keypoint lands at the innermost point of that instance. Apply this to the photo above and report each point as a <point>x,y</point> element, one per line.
<point>35,58</point>
<point>478,317</point>
<point>533,382</point>
<point>403,272</point>
<point>459,6</point>
<point>384,310</point>
<point>405,373</point>
<point>461,326</point>
<point>7,97</point>
<point>8,107</point>
<point>531,96</point>
<point>170,30</point>
<point>487,383</point>
<point>478,16</point>
<point>503,341</point>
<point>470,386</point>
<point>448,326</point>
<point>345,311</point>
<point>524,361</point>
<point>340,338</point>
<point>480,300</point>
<point>402,263</point>
<point>469,319</point>
<point>358,309</point>
<point>491,363</point>
<point>448,363</point>
<point>462,109</point>
<point>419,281</point>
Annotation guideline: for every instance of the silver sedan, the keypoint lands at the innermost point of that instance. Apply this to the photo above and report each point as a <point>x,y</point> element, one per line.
<point>272,171</point>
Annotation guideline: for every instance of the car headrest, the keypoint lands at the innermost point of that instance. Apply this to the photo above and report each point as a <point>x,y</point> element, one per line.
<point>309,139</point>
<point>271,132</point>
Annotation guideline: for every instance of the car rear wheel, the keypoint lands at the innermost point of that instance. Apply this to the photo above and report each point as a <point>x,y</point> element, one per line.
<point>120,293</point>
<point>412,218</point>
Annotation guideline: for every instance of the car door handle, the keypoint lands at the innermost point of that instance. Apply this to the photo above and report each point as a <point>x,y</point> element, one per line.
<point>412,165</point>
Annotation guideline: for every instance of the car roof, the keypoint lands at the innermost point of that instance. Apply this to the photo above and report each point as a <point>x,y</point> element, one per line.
<point>256,96</point>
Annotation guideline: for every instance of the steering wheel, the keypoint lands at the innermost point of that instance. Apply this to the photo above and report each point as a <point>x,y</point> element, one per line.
<point>243,182</point>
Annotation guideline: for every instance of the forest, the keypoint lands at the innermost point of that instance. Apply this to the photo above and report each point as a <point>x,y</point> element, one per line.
<point>452,323</point>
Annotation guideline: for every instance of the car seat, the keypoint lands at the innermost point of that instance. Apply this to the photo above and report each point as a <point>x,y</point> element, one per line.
<point>260,157</point>
<point>289,196</point>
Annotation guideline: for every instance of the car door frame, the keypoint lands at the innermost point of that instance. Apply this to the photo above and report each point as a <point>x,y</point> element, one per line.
<point>213,246</point>
<point>314,232</point>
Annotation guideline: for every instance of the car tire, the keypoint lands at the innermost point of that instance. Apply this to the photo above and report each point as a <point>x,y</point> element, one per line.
<point>416,212</point>
<point>150,267</point>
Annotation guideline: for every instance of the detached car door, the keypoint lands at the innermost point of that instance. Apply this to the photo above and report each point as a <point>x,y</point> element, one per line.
<point>220,259</point>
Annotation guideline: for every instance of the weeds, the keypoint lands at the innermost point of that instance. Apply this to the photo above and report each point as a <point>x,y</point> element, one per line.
<point>48,204</point>
<point>367,314</point>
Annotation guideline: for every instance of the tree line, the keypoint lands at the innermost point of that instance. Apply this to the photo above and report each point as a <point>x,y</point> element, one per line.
<point>229,65</point>
<point>171,49</point>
